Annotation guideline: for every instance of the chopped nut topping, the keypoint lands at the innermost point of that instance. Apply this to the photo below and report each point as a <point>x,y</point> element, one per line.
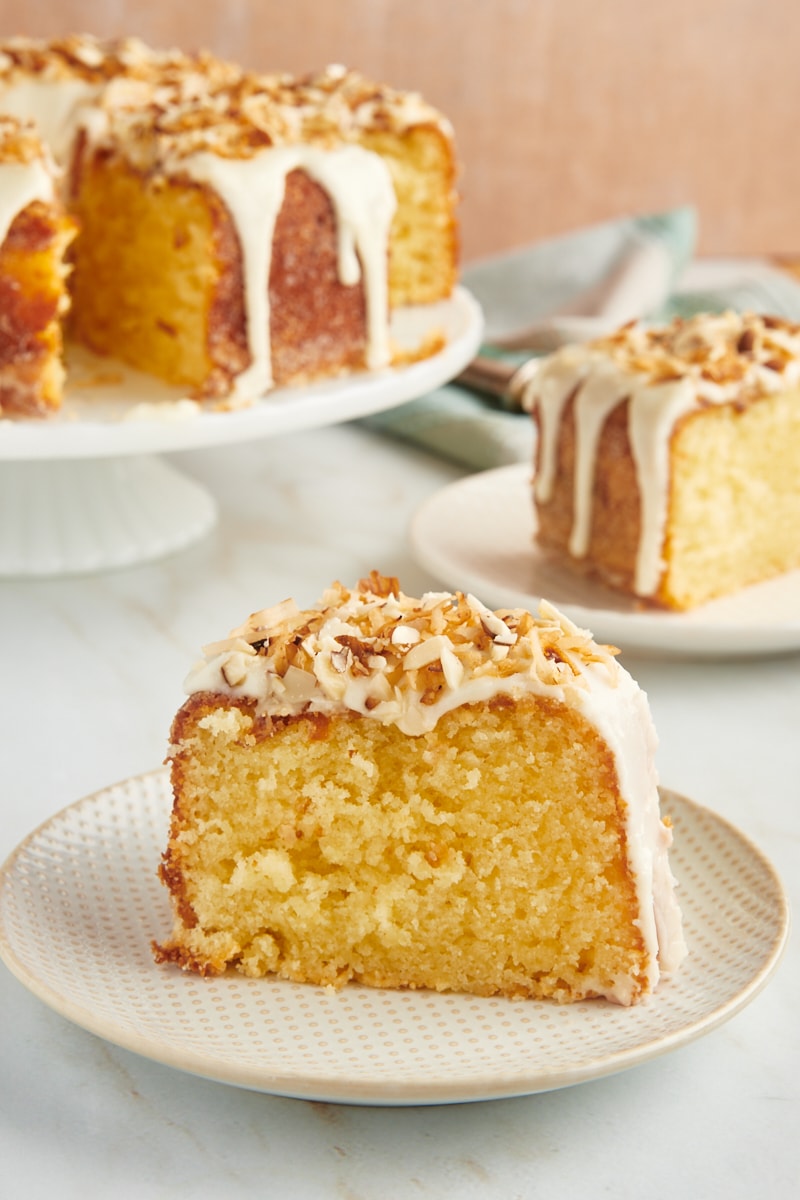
<point>405,635</point>
<point>728,350</point>
<point>165,105</point>
<point>340,659</point>
<point>233,670</point>
<point>379,652</point>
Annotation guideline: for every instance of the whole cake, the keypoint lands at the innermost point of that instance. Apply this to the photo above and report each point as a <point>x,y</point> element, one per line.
<point>34,235</point>
<point>419,793</point>
<point>237,231</point>
<point>668,458</point>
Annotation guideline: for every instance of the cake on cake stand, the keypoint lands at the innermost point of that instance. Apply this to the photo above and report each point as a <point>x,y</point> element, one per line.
<point>90,490</point>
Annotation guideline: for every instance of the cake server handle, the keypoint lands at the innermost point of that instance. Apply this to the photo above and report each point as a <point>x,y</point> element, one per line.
<point>504,382</point>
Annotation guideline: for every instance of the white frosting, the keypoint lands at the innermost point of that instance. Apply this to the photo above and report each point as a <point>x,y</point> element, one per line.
<point>662,376</point>
<point>20,185</point>
<point>380,683</point>
<point>360,188</point>
<point>54,105</point>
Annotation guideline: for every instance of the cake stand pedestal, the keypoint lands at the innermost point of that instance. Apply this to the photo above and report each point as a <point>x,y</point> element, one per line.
<point>87,490</point>
<point>83,515</point>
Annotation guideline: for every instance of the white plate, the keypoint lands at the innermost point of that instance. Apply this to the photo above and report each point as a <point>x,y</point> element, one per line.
<point>96,419</point>
<point>80,903</point>
<point>477,535</point>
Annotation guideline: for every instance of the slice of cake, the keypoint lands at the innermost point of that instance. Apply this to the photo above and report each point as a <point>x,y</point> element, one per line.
<point>419,793</point>
<point>668,459</point>
<point>34,236</point>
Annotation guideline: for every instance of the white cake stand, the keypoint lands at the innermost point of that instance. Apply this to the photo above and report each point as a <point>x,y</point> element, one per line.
<point>87,491</point>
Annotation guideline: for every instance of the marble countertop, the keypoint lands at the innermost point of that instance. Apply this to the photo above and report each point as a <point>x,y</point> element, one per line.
<point>92,673</point>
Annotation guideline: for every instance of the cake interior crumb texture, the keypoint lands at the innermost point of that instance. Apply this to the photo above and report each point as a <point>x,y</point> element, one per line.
<point>484,856</point>
<point>735,503</point>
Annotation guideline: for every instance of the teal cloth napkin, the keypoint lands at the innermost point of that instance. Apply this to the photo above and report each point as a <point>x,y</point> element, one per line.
<point>575,286</point>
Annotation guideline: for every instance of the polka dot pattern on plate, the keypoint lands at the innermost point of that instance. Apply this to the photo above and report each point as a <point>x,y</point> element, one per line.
<point>80,903</point>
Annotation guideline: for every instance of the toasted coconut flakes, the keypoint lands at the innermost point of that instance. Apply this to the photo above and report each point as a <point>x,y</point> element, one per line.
<point>388,655</point>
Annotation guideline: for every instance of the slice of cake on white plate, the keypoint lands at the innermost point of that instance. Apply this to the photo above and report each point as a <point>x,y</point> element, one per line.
<point>668,458</point>
<point>419,793</point>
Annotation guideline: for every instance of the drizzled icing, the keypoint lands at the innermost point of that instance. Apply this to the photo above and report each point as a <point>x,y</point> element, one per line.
<point>363,198</point>
<point>26,172</point>
<point>407,662</point>
<point>663,374</point>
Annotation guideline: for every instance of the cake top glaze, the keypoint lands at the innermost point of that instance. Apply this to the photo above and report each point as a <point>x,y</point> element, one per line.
<point>399,660</point>
<point>185,106</point>
<point>87,57</point>
<point>176,104</point>
<point>157,121</point>
<point>721,356</point>
<point>60,83</point>
<point>340,102</point>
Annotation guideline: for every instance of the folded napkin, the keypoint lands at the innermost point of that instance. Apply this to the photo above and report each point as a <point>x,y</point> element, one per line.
<point>572,288</point>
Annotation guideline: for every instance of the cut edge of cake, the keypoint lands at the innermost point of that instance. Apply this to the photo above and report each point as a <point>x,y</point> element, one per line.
<point>35,234</point>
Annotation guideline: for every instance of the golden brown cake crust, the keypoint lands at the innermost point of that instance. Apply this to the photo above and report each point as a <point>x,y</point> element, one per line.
<point>615,526</point>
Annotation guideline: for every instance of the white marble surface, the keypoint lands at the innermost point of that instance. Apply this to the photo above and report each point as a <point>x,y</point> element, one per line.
<point>92,671</point>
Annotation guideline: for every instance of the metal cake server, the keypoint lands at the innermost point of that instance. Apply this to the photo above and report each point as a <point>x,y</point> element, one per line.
<point>504,382</point>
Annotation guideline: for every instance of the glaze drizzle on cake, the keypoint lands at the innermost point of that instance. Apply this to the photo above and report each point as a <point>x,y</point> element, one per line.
<point>663,374</point>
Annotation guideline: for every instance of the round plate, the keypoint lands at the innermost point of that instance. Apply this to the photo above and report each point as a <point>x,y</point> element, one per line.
<point>80,903</point>
<point>477,535</point>
<point>108,408</point>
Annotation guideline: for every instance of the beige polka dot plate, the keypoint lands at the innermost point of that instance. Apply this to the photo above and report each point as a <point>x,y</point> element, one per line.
<point>80,903</point>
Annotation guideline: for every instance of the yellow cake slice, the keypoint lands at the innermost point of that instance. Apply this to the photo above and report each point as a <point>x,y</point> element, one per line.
<point>668,458</point>
<point>419,793</point>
